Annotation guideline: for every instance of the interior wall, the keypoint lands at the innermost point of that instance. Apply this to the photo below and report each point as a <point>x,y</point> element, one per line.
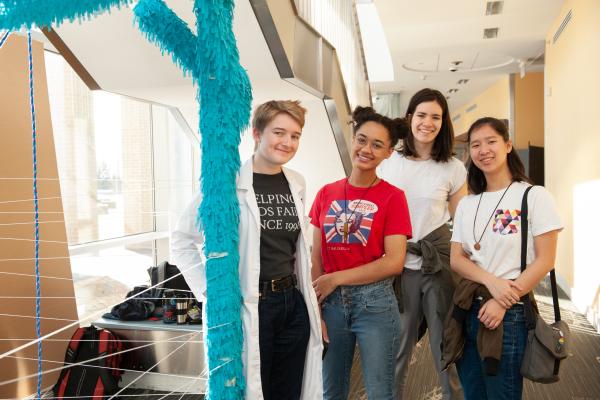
<point>529,110</point>
<point>572,143</point>
<point>285,28</point>
<point>492,102</point>
<point>17,327</point>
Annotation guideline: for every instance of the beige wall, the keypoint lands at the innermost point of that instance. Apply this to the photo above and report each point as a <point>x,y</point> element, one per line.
<point>572,143</point>
<point>16,162</point>
<point>286,27</point>
<point>492,102</point>
<point>529,110</point>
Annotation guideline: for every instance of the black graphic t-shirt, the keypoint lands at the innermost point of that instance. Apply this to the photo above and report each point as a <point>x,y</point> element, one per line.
<point>279,225</point>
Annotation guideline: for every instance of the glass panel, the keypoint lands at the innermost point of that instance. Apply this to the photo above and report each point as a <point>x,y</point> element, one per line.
<point>104,151</point>
<point>174,168</point>
<point>102,278</point>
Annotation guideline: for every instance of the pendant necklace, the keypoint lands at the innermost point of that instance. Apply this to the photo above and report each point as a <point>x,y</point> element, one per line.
<point>478,242</point>
<point>346,230</point>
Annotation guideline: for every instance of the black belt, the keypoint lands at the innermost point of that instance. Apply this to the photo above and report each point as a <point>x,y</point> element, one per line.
<point>276,285</point>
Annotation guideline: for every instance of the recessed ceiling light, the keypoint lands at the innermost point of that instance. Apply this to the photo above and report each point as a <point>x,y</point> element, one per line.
<point>453,90</point>
<point>490,33</point>
<point>493,7</point>
<point>462,81</point>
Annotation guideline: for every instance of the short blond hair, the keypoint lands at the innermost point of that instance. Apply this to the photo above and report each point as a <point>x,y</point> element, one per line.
<point>266,112</point>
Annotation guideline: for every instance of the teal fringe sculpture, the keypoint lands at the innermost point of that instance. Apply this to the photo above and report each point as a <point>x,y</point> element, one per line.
<point>211,57</point>
<point>17,14</point>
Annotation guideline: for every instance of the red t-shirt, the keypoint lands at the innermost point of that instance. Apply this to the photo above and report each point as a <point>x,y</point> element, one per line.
<point>353,236</point>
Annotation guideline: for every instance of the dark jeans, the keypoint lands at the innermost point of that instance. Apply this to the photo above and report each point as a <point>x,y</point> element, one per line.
<point>508,383</point>
<point>284,330</point>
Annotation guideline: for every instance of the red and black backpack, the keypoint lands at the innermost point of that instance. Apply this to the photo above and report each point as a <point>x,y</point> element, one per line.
<point>92,379</point>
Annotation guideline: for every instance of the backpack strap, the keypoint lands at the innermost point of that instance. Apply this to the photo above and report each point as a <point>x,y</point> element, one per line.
<point>74,345</point>
<point>106,362</point>
<point>70,358</point>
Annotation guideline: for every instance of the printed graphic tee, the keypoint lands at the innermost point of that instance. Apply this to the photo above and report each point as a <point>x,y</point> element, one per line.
<point>279,225</point>
<point>500,251</point>
<point>354,221</point>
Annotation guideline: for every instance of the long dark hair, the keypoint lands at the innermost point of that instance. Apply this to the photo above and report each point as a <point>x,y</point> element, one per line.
<point>397,128</point>
<point>444,141</point>
<point>475,178</point>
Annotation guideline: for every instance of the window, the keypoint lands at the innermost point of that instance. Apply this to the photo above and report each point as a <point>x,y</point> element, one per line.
<point>127,170</point>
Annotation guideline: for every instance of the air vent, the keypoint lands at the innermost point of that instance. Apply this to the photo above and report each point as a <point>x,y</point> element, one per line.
<point>562,26</point>
<point>490,33</point>
<point>471,108</point>
<point>493,7</point>
<point>456,117</point>
<point>462,81</point>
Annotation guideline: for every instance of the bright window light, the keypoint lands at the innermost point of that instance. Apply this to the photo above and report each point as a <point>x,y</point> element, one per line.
<point>377,52</point>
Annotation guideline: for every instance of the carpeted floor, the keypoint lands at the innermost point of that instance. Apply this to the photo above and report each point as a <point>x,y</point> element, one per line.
<point>580,373</point>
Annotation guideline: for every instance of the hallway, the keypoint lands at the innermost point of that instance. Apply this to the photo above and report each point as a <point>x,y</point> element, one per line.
<point>580,374</point>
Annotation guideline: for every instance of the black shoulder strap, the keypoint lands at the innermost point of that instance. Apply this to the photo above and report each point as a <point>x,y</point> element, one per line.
<point>524,229</point>
<point>524,232</point>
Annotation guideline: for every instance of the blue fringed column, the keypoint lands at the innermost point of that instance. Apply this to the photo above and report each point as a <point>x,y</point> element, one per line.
<point>225,98</point>
<point>211,57</point>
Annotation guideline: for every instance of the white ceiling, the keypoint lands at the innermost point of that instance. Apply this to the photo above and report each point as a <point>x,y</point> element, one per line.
<point>121,60</point>
<point>426,36</point>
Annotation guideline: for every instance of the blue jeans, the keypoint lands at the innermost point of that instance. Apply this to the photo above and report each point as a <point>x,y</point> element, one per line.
<point>508,383</point>
<point>367,314</point>
<point>284,331</point>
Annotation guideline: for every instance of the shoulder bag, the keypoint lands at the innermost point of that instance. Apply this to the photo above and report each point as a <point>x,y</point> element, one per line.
<point>547,344</point>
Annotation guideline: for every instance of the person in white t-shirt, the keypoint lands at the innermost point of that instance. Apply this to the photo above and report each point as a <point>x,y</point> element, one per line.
<point>486,248</point>
<point>433,182</point>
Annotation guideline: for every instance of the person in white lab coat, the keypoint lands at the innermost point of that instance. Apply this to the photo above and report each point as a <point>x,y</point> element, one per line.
<point>281,322</point>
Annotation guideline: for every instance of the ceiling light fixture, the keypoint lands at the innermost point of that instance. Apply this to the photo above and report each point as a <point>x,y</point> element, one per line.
<point>490,33</point>
<point>453,90</point>
<point>494,7</point>
<point>462,81</point>
<point>454,66</point>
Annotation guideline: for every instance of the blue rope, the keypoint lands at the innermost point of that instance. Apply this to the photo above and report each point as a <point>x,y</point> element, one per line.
<point>4,37</point>
<point>38,294</point>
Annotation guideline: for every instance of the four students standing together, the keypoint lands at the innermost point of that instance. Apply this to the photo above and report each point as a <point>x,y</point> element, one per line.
<point>382,254</point>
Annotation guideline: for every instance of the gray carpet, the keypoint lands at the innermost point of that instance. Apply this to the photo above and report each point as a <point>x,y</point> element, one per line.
<point>580,373</point>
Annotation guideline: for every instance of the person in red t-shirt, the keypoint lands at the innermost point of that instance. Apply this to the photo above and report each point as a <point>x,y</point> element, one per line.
<point>360,245</point>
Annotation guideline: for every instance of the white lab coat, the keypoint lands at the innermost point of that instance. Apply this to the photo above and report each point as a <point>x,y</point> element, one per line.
<point>186,248</point>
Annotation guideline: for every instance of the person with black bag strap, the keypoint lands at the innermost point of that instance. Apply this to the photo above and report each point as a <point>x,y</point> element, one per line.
<point>547,344</point>
<point>489,227</point>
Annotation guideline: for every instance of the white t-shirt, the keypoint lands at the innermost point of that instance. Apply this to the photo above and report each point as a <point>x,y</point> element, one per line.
<point>500,251</point>
<point>427,186</point>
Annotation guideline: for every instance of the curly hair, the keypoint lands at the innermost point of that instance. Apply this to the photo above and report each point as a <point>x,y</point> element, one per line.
<point>397,128</point>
